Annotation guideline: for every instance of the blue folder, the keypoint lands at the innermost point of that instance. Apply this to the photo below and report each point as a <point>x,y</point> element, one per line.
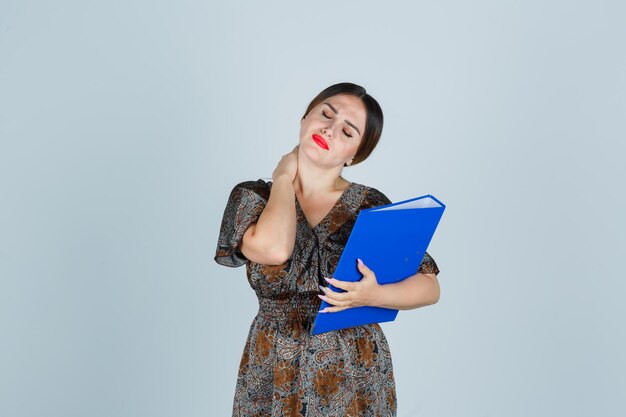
<point>391,240</point>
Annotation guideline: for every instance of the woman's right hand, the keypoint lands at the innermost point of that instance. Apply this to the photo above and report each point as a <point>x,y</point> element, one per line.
<point>288,165</point>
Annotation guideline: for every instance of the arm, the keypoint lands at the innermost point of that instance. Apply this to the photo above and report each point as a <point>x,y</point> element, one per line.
<point>270,241</point>
<point>413,292</point>
<point>418,290</point>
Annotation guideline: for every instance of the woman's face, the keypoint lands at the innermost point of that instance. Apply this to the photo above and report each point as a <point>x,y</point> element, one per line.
<point>331,133</point>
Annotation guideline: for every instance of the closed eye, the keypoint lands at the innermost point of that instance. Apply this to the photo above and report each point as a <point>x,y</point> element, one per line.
<point>344,132</point>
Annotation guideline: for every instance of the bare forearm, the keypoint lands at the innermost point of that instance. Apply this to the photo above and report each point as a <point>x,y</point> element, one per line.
<point>277,223</point>
<point>415,291</point>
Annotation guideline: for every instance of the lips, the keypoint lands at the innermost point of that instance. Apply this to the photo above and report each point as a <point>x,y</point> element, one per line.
<point>320,141</point>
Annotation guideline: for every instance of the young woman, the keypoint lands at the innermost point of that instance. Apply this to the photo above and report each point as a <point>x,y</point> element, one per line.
<point>290,233</point>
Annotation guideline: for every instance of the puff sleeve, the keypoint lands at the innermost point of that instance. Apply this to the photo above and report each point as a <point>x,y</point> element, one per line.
<point>375,198</point>
<point>428,265</point>
<point>245,204</point>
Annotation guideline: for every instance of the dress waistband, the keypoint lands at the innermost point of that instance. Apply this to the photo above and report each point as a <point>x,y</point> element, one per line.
<point>297,306</point>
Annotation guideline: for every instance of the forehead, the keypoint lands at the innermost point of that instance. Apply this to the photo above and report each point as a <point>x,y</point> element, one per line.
<point>349,106</point>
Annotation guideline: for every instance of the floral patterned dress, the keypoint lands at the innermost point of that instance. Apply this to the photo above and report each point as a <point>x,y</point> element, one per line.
<point>284,370</point>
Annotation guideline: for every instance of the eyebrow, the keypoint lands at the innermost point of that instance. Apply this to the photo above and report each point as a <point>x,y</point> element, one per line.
<point>347,121</point>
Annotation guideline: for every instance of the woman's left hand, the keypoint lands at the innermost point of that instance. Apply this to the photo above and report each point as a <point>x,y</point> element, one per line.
<point>360,293</point>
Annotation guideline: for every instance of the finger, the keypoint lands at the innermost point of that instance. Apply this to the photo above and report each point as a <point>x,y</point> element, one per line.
<point>334,294</point>
<point>333,309</point>
<point>344,285</point>
<point>362,267</point>
<point>333,301</point>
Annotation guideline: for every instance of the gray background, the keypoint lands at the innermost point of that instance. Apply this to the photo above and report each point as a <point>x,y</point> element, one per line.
<point>125,124</point>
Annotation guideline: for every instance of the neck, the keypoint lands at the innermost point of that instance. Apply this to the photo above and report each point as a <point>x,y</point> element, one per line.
<point>313,180</point>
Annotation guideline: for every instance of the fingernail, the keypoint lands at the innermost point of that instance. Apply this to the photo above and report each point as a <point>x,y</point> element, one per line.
<point>359,261</point>
<point>322,311</point>
<point>327,279</point>
<point>323,289</point>
<point>322,297</point>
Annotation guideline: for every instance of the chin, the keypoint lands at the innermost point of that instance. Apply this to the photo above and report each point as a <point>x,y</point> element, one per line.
<point>316,157</point>
<point>311,153</point>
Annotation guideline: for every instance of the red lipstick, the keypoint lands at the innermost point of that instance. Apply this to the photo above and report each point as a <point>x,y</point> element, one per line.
<point>320,141</point>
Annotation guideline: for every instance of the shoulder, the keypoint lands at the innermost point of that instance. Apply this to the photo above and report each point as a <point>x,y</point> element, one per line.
<point>372,197</point>
<point>252,189</point>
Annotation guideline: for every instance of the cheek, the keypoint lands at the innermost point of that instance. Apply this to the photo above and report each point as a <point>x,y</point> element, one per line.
<point>353,145</point>
<point>347,150</point>
<point>306,126</point>
<point>303,129</point>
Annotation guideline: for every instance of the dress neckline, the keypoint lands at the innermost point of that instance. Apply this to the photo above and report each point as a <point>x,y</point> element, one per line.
<point>331,211</point>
